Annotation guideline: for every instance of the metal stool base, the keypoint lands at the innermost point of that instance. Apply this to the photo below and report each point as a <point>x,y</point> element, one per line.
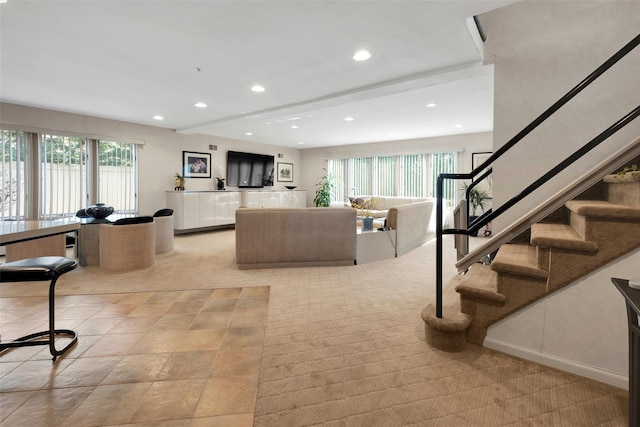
<point>29,341</point>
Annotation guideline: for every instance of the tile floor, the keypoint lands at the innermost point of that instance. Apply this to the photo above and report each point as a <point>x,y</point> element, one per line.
<point>135,354</point>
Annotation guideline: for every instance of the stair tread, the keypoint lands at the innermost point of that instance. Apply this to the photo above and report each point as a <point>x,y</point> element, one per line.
<point>519,260</point>
<point>603,209</point>
<point>561,236</point>
<point>482,282</point>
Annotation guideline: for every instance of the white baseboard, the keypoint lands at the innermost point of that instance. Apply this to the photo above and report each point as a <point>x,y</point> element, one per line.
<point>556,362</point>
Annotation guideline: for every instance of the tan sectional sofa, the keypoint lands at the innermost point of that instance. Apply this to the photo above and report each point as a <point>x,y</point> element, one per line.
<point>411,217</point>
<point>302,237</point>
<point>412,223</point>
<point>378,206</point>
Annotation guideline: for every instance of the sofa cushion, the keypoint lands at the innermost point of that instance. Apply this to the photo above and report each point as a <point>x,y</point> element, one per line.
<point>359,202</point>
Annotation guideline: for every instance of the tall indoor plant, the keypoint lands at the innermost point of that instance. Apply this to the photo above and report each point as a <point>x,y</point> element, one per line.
<point>323,191</point>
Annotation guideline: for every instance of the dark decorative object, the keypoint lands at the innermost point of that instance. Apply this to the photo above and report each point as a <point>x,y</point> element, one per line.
<point>220,183</point>
<point>99,211</point>
<point>82,213</point>
<point>134,220</point>
<point>367,223</point>
<point>290,187</point>
<point>163,212</point>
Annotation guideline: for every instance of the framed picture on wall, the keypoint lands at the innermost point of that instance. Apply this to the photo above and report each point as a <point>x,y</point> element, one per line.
<point>285,172</point>
<point>196,165</point>
<point>476,160</point>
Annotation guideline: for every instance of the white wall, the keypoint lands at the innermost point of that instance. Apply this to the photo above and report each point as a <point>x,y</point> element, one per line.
<point>160,158</point>
<point>314,160</point>
<point>581,329</point>
<point>540,51</point>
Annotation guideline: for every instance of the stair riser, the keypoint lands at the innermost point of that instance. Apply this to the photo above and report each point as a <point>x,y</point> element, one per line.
<point>599,230</point>
<point>619,239</point>
<point>542,255</point>
<point>579,223</point>
<point>625,194</point>
<point>523,291</point>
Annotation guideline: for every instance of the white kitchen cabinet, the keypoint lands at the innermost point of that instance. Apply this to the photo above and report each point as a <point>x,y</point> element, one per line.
<point>274,199</point>
<point>200,209</point>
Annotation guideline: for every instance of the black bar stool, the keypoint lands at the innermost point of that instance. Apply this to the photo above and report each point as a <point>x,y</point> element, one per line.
<point>37,270</point>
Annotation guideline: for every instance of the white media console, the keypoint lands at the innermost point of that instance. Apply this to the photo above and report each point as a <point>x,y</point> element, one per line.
<point>193,210</point>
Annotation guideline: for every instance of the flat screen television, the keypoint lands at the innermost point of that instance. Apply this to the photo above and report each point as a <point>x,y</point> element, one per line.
<point>248,170</point>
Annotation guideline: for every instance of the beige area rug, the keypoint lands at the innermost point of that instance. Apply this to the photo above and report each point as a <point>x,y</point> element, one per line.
<point>344,346</point>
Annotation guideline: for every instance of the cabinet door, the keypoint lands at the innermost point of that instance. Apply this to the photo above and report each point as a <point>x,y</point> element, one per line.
<point>222,208</point>
<point>234,204</point>
<point>175,201</point>
<point>300,197</point>
<point>190,210</point>
<point>270,199</point>
<point>251,199</point>
<point>207,209</point>
<point>185,209</point>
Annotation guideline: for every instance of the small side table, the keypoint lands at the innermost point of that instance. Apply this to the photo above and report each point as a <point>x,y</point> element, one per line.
<point>632,298</point>
<point>375,245</point>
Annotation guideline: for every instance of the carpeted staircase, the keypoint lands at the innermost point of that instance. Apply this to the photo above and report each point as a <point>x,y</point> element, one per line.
<point>593,233</point>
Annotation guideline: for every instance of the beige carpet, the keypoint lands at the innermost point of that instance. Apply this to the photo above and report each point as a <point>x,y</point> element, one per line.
<point>343,346</point>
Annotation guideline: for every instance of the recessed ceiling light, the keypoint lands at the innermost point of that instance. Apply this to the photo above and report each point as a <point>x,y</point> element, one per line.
<point>201,105</point>
<point>158,118</point>
<point>249,133</point>
<point>294,127</point>
<point>257,88</point>
<point>348,119</point>
<point>431,105</point>
<point>300,143</point>
<point>458,125</point>
<point>362,55</point>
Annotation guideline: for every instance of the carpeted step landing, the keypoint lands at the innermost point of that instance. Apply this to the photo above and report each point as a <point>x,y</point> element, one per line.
<point>518,260</point>
<point>560,236</point>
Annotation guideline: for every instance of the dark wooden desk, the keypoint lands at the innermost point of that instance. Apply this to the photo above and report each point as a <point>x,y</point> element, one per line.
<point>632,298</point>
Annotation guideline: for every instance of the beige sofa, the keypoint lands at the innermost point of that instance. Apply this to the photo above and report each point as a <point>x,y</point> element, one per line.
<point>302,237</point>
<point>411,217</point>
<point>378,206</point>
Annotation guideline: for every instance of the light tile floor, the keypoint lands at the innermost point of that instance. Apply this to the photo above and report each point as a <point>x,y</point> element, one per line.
<point>136,354</point>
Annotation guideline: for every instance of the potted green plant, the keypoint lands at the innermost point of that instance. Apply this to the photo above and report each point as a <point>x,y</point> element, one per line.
<point>365,210</point>
<point>627,175</point>
<point>477,199</point>
<point>178,182</point>
<point>322,197</point>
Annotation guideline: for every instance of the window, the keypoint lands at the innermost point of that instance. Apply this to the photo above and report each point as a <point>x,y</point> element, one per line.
<point>117,175</point>
<point>444,163</point>
<point>405,176</point>
<point>48,177</point>
<point>63,176</point>
<point>14,194</point>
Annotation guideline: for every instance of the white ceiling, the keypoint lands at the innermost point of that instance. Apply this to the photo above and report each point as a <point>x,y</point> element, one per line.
<point>131,60</point>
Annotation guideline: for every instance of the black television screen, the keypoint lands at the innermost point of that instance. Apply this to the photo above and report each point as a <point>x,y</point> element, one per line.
<point>248,170</point>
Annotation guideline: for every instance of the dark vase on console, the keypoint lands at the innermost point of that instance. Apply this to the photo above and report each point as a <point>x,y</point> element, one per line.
<point>99,211</point>
<point>220,183</point>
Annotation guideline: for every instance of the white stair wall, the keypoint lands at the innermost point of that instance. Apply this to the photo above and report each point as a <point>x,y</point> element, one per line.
<point>582,328</point>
